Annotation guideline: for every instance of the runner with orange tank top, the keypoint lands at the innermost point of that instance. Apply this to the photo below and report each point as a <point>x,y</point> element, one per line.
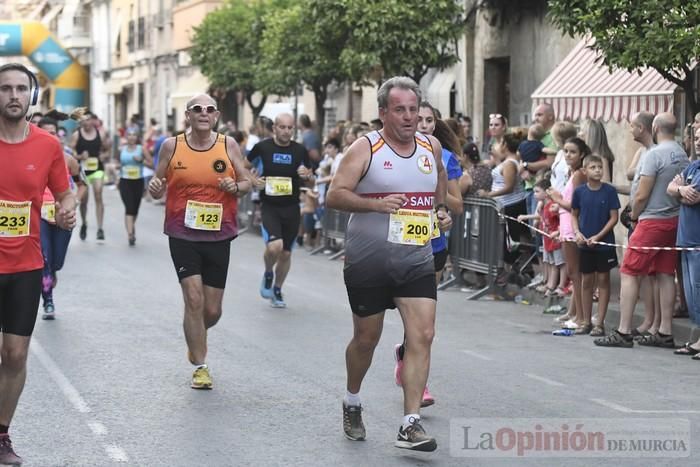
<point>203,174</point>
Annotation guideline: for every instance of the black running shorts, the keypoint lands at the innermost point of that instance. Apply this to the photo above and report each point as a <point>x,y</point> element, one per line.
<point>368,301</point>
<point>19,301</point>
<point>207,259</point>
<point>599,260</point>
<point>440,260</point>
<point>280,222</point>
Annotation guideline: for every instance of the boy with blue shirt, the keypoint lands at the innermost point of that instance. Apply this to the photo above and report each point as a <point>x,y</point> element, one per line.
<point>594,213</point>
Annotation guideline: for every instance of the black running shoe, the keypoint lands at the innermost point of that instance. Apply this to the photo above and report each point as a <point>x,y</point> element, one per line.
<point>414,437</point>
<point>100,234</point>
<point>7,454</point>
<point>83,232</point>
<point>352,422</point>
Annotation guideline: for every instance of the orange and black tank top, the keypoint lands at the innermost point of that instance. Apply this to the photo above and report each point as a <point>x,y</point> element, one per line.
<point>196,209</point>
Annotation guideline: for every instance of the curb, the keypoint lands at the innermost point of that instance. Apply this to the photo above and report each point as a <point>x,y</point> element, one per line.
<point>684,330</point>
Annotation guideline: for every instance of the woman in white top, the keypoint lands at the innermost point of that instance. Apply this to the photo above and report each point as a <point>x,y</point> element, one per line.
<point>561,132</point>
<point>507,188</point>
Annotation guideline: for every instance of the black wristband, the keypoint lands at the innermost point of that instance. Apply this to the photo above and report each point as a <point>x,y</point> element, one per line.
<point>441,205</point>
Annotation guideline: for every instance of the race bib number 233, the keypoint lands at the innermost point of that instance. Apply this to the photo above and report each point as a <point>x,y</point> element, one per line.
<point>15,218</point>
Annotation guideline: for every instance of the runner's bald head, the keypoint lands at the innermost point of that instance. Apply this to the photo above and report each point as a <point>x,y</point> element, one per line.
<point>284,119</point>
<point>201,99</point>
<point>665,123</point>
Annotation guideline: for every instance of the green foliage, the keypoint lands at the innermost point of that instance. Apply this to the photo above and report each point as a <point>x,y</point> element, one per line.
<point>632,34</point>
<point>224,46</point>
<point>399,37</point>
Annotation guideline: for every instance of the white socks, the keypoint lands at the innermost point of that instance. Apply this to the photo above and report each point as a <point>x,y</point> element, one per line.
<point>351,399</point>
<point>408,420</point>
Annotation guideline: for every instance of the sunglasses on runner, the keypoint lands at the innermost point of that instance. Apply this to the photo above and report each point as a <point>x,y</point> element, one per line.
<point>198,109</point>
<point>495,116</point>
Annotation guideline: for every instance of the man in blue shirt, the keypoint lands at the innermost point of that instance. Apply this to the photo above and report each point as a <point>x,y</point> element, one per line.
<point>686,187</point>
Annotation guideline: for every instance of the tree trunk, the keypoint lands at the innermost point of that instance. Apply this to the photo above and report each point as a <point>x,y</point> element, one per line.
<point>690,98</point>
<point>320,95</point>
<point>256,109</point>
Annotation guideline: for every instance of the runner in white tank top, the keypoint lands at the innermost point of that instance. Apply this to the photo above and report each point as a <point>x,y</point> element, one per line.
<point>395,187</point>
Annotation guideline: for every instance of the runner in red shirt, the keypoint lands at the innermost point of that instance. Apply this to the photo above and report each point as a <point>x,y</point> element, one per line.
<point>32,159</point>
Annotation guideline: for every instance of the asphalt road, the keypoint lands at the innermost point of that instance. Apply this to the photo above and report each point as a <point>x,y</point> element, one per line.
<point>108,381</point>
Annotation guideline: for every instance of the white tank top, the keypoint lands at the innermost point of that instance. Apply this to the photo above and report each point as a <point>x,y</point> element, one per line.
<point>370,259</point>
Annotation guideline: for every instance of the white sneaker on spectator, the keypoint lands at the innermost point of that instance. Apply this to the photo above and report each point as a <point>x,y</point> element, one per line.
<point>537,280</point>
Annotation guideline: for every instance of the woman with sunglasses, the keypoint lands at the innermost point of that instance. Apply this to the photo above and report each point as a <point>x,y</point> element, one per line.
<point>133,158</point>
<point>498,127</point>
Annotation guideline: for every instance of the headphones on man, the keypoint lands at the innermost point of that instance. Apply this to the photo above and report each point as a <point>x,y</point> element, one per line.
<point>33,81</point>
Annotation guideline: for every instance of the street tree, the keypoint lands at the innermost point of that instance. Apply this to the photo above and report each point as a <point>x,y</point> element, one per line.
<point>226,47</point>
<point>634,34</point>
<point>398,37</point>
<point>300,46</point>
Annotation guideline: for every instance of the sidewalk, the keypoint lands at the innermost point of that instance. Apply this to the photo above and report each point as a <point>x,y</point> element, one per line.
<point>683,329</point>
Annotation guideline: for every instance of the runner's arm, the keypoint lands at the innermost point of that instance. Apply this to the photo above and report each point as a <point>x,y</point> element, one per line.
<point>244,180</point>
<point>106,146</point>
<point>341,193</point>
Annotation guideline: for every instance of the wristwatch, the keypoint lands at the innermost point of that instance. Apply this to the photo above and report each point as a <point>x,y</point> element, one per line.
<point>525,165</point>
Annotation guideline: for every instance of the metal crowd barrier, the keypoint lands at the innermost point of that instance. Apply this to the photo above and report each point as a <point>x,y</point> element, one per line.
<point>476,242</point>
<point>245,213</point>
<point>333,226</point>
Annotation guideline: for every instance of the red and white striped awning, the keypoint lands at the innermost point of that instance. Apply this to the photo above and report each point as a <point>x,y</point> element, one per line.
<point>580,87</point>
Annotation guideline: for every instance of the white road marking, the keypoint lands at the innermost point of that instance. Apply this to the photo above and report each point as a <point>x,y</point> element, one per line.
<point>66,387</point>
<point>542,379</point>
<point>477,355</point>
<point>114,452</point>
<point>98,428</point>
<point>622,408</point>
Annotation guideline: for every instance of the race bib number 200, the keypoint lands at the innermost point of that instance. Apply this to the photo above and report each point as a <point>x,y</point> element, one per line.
<point>203,216</point>
<point>15,218</point>
<point>410,227</point>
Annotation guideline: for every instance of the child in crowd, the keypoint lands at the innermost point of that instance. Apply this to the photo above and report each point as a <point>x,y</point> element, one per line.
<point>540,197</point>
<point>594,214</point>
<point>576,150</point>
<point>553,256</point>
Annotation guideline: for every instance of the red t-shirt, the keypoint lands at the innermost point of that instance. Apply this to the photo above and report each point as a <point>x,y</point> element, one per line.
<point>550,222</point>
<point>27,169</point>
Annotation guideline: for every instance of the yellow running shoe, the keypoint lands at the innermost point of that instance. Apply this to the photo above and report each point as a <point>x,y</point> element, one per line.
<point>201,379</point>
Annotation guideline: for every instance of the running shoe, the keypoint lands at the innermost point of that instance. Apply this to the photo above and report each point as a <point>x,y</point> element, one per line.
<point>277,301</point>
<point>132,240</point>
<point>352,423</point>
<point>428,398</point>
<point>266,287</point>
<point>83,232</point>
<point>7,454</point>
<point>399,364</point>
<point>49,312</point>
<point>201,378</point>
<point>415,438</point>
<point>100,234</point>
